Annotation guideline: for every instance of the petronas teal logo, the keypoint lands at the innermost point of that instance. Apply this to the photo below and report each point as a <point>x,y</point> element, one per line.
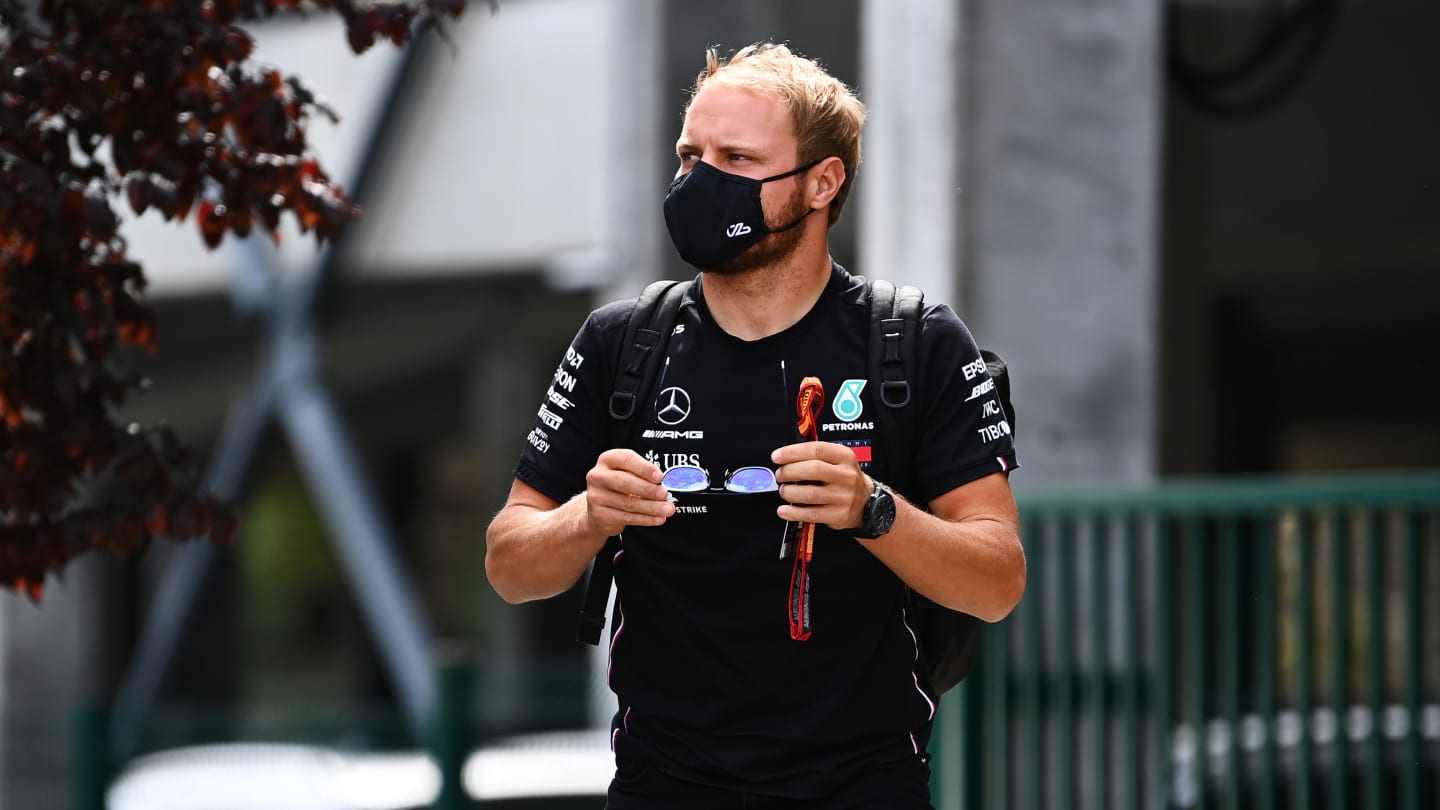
<point>847,406</point>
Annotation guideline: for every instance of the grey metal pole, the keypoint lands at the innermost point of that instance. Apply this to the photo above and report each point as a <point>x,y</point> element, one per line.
<point>365,548</point>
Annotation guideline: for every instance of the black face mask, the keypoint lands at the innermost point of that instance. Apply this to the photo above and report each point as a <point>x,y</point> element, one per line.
<point>715,216</point>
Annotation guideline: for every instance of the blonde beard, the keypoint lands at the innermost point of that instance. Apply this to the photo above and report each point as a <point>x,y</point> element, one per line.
<point>776,250</point>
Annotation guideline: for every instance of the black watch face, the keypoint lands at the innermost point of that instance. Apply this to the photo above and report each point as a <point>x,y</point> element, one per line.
<point>883,517</point>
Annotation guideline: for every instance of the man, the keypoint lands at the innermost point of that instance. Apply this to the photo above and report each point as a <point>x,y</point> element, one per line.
<point>737,685</point>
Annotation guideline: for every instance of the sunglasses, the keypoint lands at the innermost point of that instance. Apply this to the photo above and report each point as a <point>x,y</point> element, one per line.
<point>746,480</point>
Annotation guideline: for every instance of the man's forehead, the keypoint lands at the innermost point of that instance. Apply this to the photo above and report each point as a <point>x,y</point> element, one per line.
<point>736,115</point>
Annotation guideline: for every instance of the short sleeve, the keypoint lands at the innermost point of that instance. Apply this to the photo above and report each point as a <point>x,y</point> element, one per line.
<point>963,434</point>
<point>572,424</point>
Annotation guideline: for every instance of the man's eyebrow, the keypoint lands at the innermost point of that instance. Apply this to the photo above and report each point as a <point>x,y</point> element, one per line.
<point>727,148</point>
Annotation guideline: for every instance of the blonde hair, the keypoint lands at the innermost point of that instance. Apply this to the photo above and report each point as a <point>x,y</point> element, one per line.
<point>826,114</point>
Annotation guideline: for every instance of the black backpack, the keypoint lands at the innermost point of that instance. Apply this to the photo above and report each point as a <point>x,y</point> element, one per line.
<point>949,640</point>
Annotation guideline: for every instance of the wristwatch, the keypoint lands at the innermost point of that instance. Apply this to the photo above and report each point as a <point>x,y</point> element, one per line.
<point>879,513</point>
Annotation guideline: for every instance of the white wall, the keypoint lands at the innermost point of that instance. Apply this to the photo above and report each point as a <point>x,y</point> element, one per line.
<point>499,165</point>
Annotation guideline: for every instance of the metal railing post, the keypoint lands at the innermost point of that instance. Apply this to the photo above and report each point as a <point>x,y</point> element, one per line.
<point>1305,688</point>
<point>451,730</point>
<point>1065,666</point>
<point>1097,693</point>
<point>1033,639</point>
<point>90,751</point>
<point>1414,666</point>
<point>1265,661</point>
<point>1375,660</point>
<point>973,737</point>
<point>1340,663</point>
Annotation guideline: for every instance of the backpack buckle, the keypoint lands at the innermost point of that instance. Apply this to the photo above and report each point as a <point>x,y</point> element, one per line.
<point>622,405</point>
<point>900,390</point>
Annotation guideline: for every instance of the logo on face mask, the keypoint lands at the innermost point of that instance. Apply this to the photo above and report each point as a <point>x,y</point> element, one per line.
<point>738,229</point>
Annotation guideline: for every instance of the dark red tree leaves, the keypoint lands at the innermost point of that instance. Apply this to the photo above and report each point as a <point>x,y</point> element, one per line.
<point>155,104</point>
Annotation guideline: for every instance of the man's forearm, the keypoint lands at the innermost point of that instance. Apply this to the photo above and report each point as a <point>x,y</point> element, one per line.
<point>534,553</point>
<point>975,564</point>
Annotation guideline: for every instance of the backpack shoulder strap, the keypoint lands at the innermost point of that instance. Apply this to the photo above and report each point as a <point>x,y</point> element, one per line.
<point>949,640</point>
<point>894,331</point>
<point>647,334</point>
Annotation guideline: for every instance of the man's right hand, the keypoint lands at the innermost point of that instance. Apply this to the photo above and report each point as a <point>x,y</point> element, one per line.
<point>623,489</point>
<point>536,548</point>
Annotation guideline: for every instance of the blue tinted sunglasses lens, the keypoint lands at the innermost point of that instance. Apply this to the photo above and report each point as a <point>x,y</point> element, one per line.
<point>752,479</point>
<point>685,479</point>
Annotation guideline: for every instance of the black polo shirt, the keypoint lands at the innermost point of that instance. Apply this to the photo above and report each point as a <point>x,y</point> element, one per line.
<point>711,686</point>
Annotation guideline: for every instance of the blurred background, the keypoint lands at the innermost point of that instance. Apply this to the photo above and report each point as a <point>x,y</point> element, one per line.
<point>1205,234</point>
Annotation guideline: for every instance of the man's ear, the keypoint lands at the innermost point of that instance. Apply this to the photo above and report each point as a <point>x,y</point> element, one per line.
<point>826,179</point>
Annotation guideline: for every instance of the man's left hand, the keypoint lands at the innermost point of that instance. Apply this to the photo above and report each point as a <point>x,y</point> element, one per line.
<point>821,483</point>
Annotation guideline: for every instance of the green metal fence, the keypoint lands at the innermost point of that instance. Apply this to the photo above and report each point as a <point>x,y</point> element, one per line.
<point>1242,644</point>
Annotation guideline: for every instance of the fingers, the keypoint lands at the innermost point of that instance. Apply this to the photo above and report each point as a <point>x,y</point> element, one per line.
<point>623,489</point>
<point>628,461</point>
<point>820,463</point>
<point>828,452</point>
<point>827,506</point>
<point>612,516</point>
<point>821,482</point>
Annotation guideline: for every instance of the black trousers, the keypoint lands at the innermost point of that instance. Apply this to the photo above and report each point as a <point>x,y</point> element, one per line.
<point>903,785</point>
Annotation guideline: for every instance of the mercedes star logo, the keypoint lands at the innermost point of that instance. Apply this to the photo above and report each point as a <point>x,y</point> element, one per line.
<point>672,406</point>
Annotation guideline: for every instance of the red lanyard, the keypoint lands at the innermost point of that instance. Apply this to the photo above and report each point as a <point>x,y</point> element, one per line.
<point>807,411</point>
